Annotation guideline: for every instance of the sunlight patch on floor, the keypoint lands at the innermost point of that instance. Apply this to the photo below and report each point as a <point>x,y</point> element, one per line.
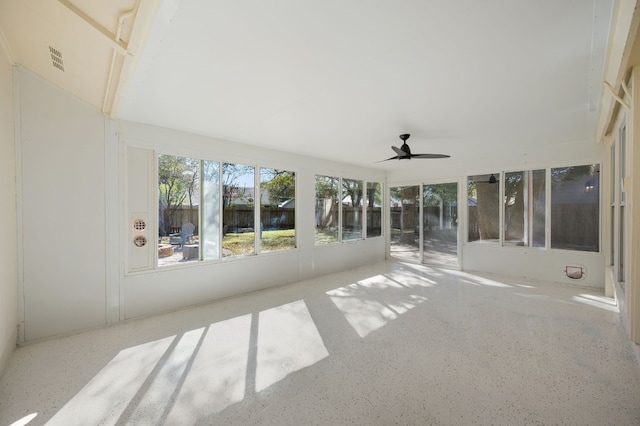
<point>597,301</point>
<point>161,390</point>
<point>370,304</point>
<point>288,341</point>
<point>108,394</point>
<point>476,279</point>
<point>217,375</point>
<point>25,420</point>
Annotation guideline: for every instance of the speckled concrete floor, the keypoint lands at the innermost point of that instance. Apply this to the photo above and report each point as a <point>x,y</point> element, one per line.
<point>385,344</point>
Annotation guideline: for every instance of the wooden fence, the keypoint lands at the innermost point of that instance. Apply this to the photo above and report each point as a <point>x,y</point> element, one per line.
<point>237,217</point>
<point>573,226</point>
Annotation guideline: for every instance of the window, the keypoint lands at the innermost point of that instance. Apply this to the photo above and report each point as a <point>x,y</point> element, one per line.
<point>538,204</point>
<point>238,209</point>
<point>374,209</point>
<point>211,210</point>
<point>340,214</point>
<point>277,209</point>
<point>524,208</point>
<point>612,202</point>
<point>622,228</point>
<point>326,209</point>
<point>207,210</point>
<point>574,212</point>
<point>178,209</point>
<point>352,192</point>
<point>575,207</point>
<point>484,207</point>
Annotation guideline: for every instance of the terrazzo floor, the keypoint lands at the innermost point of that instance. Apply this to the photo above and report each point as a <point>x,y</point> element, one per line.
<point>389,343</point>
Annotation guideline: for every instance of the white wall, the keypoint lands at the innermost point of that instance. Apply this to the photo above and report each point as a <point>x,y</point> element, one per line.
<point>73,223</point>
<point>63,210</point>
<point>540,264</point>
<point>144,293</point>
<point>8,240</point>
<point>73,218</point>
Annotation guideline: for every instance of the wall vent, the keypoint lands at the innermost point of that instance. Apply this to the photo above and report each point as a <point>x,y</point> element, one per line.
<point>139,225</point>
<point>575,272</point>
<point>140,241</point>
<point>56,58</point>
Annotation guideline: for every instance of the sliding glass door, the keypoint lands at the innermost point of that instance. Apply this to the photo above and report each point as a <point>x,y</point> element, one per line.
<point>424,223</point>
<point>440,224</point>
<point>405,222</point>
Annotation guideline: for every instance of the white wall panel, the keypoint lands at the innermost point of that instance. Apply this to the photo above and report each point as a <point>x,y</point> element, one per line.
<point>63,210</point>
<point>9,245</point>
<point>193,284</point>
<point>140,202</point>
<point>170,288</point>
<point>537,264</point>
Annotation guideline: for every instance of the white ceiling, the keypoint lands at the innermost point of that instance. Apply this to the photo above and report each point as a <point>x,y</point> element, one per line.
<point>332,79</point>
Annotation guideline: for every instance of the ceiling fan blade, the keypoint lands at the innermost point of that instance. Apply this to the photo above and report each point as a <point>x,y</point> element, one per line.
<point>392,158</point>
<point>400,152</point>
<point>404,152</point>
<point>430,156</point>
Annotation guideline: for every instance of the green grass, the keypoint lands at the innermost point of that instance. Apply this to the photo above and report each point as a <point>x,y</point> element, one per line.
<point>239,244</point>
<point>325,238</point>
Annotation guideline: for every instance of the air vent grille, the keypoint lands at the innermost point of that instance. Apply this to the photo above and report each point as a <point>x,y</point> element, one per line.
<point>139,225</point>
<point>140,241</point>
<point>56,58</point>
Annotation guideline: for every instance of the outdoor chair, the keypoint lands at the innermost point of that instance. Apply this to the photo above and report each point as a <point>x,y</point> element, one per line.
<point>186,232</point>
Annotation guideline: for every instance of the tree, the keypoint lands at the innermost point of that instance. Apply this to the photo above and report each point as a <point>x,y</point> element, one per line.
<point>353,189</point>
<point>281,185</point>
<point>231,175</point>
<point>326,197</point>
<point>408,222</point>
<point>177,182</point>
<point>487,194</point>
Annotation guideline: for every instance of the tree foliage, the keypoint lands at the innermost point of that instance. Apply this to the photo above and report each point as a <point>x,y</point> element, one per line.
<point>177,183</point>
<point>231,176</point>
<point>281,185</point>
<point>353,189</point>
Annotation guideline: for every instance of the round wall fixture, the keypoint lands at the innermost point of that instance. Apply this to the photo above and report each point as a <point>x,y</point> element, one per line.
<point>575,272</point>
<point>139,225</point>
<point>140,241</point>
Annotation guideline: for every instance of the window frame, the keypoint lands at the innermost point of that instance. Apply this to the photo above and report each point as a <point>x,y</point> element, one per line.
<point>529,211</point>
<point>220,211</point>
<point>363,210</point>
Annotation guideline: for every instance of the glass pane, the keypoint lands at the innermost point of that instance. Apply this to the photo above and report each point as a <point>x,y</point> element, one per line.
<point>619,222</point>
<point>238,198</point>
<point>575,207</point>
<point>612,176</point>
<point>178,193</point>
<point>612,201</point>
<point>621,241</point>
<point>484,207</point>
<point>440,224</point>
<point>404,214</point>
<point>351,209</point>
<point>277,209</point>
<point>538,202</point>
<point>612,236</point>
<point>374,209</point>
<point>326,209</point>
<point>514,209</point>
<point>210,210</point>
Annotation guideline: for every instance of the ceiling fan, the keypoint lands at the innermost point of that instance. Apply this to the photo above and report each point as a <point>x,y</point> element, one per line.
<point>404,152</point>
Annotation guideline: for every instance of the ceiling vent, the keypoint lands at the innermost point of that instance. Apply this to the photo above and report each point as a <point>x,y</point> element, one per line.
<point>56,58</point>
